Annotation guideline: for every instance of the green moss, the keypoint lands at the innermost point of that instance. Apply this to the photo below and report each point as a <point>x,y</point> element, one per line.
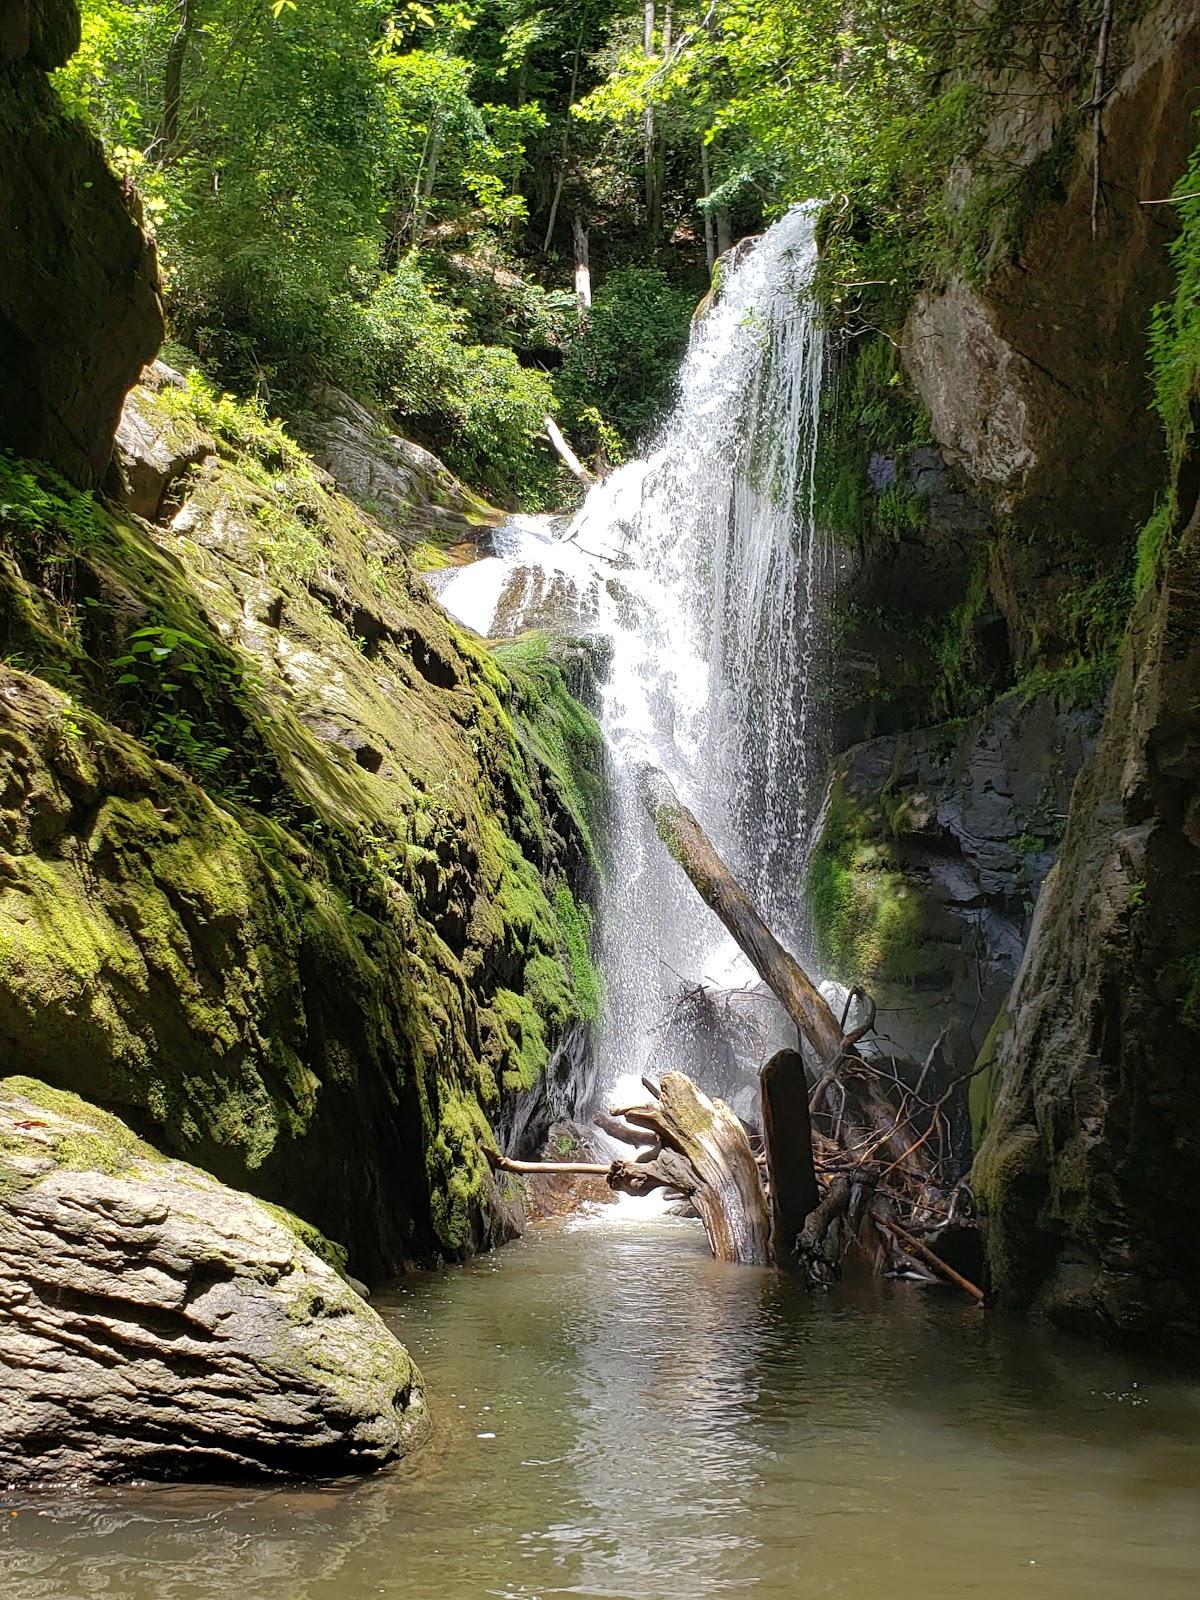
<point>327,1250</point>
<point>92,1141</point>
<point>958,690</point>
<point>563,735</point>
<point>867,411</point>
<point>575,935</point>
<point>982,1088</point>
<point>869,923</point>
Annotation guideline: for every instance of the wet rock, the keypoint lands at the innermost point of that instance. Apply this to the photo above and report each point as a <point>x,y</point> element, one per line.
<point>79,306</point>
<point>154,1322</point>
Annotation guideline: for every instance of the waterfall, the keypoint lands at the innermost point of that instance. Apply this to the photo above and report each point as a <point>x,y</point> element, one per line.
<point>700,565</point>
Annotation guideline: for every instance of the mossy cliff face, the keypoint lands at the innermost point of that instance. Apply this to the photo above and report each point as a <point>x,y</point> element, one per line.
<point>1092,1128</point>
<point>289,882</point>
<point>79,309</point>
<point>1018,389</point>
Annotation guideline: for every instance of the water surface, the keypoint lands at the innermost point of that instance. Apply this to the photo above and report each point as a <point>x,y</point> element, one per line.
<point>619,1416</point>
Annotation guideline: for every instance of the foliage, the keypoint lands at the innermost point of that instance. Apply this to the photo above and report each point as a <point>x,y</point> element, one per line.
<point>620,371</point>
<point>1175,363</point>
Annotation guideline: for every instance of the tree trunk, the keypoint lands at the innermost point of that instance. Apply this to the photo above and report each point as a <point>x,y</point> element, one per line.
<point>720,890</point>
<point>712,1143</point>
<point>710,236</point>
<point>583,271</point>
<point>724,231</point>
<point>566,140</point>
<point>433,145</point>
<point>168,129</point>
<point>787,1133</point>
<point>649,141</point>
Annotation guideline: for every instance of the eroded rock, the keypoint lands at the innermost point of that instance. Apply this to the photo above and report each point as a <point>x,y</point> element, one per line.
<point>405,487</point>
<point>154,1322</point>
<point>933,847</point>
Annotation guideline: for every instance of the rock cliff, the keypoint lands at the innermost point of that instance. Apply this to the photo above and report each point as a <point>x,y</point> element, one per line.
<point>295,873</point>
<point>984,478</point>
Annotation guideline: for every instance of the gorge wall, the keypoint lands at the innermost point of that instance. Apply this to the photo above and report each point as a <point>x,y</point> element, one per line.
<point>988,470</point>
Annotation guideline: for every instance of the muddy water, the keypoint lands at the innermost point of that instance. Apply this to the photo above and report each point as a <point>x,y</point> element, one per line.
<point>619,1416</point>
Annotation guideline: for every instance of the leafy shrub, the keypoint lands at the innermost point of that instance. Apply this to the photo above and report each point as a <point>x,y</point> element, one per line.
<point>624,361</point>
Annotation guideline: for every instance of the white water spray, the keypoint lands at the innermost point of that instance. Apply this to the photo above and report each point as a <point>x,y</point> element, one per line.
<point>701,566</point>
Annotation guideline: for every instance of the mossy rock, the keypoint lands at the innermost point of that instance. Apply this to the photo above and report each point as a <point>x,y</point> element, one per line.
<point>282,839</point>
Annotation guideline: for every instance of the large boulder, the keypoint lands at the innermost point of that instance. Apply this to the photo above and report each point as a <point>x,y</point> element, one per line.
<point>79,305</point>
<point>154,1322</point>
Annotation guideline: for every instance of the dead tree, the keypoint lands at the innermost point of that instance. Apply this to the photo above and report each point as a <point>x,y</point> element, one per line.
<point>698,1149</point>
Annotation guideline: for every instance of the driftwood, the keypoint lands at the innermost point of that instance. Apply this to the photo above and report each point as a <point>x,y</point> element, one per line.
<point>726,1188</point>
<point>698,1149</point>
<point>876,1156</point>
<point>567,456</point>
<point>867,1115</point>
<point>861,1162</point>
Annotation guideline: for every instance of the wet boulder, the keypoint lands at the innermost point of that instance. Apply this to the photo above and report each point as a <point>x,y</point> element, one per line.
<point>154,1322</point>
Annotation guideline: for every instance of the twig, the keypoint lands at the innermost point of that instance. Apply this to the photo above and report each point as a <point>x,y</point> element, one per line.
<point>925,1254</point>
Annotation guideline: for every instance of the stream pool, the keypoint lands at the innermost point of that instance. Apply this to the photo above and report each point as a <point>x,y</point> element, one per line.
<point>619,1416</point>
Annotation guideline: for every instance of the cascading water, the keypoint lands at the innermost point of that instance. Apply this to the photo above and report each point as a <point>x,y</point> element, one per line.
<point>700,565</point>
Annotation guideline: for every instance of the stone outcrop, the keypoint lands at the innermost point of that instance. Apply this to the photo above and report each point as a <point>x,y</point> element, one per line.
<point>155,1323</point>
<point>79,306</point>
<point>932,849</point>
<point>405,487</point>
<point>1092,1123</point>
<point>1032,365</point>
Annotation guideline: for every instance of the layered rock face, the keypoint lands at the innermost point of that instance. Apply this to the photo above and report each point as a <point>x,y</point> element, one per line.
<point>986,539</point>
<point>931,852</point>
<point>410,492</point>
<point>153,1322</point>
<point>79,307</point>
<point>1033,369</point>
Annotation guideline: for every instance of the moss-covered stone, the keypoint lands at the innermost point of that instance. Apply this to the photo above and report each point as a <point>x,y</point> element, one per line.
<point>282,840</point>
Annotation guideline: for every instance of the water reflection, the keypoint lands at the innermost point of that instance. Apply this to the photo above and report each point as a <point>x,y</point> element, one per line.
<point>620,1416</point>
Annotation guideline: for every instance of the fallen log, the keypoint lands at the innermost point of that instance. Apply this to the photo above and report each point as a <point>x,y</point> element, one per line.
<point>874,1119</point>
<point>568,457</point>
<point>710,1139</point>
<point>722,893</point>
<point>921,1252</point>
